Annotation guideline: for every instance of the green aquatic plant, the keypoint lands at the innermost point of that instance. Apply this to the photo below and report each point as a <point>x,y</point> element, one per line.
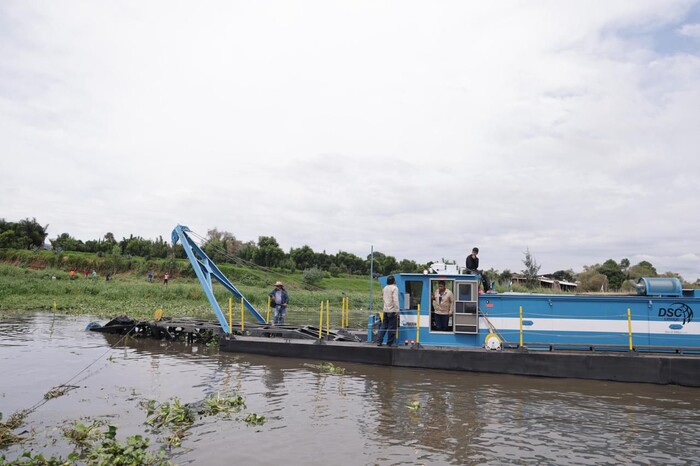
<point>100,448</point>
<point>179,417</point>
<point>215,404</point>
<point>83,435</point>
<point>328,368</point>
<point>133,452</point>
<point>169,414</point>
<point>414,406</point>
<point>174,440</point>
<point>253,419</point>
<point>27,459</point>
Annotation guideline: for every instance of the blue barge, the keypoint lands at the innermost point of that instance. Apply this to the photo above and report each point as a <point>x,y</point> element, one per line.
<point>648,337</point>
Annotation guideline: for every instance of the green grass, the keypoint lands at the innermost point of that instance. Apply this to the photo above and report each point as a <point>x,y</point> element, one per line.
<point>24,289</point>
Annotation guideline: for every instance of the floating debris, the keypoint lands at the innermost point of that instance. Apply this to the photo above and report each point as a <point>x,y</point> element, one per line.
<point>255,419</point>
<point>169,414</point>
<point>414,406</point>
<point>7,437</point>
<point>328,367</point>
<point>219,403</point>
<point>59,391</point>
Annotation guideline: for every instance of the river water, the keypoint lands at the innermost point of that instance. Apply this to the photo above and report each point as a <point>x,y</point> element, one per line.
<point>361,417</point>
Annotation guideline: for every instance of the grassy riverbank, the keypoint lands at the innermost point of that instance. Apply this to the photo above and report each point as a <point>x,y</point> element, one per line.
<point>49,289</point>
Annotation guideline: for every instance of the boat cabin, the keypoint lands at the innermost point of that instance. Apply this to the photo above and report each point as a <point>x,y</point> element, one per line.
<point>659,315</point>
<point>417,316</point>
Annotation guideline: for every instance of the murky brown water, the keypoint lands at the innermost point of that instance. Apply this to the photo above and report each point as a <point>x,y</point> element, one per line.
<point>361,417</point>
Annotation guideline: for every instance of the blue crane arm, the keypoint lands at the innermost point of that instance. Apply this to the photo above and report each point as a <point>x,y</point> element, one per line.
<point>206,269</point>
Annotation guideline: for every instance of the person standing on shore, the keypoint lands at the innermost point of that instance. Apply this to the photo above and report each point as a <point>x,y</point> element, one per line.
<point>390,295</point>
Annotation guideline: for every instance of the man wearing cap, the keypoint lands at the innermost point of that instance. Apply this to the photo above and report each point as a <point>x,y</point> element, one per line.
<point>279,298</point>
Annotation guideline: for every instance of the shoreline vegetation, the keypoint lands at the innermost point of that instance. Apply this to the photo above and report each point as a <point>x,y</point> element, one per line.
<point>41,281</point>
<point>24,288</point>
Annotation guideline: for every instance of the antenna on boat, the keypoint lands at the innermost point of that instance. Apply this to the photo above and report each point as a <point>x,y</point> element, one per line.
<point>371,275</point>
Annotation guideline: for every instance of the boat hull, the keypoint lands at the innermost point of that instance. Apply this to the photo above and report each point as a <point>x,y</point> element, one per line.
<point>677,369</point>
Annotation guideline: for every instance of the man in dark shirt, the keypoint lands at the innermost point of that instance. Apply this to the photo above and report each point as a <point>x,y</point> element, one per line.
<point>473,268</point>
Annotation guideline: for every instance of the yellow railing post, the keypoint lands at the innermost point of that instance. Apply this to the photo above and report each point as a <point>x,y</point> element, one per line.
<point>242,316</point>
<point>398,324</point>
<point>320,323</point>
<point>328,318</point>
<point>230,316</point>
<point>418,325</point>
<point>521,326</point>
<point>345,319</point>
<point>629,326</point>
<point>267,318</point>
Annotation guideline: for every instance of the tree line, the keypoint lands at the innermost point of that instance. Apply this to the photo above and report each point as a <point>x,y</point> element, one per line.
<point>608,276</point>
<point>224,247</point>
<point>220,246</point>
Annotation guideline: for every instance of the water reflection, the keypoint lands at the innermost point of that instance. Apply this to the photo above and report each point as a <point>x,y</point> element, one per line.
<point>362,417</point>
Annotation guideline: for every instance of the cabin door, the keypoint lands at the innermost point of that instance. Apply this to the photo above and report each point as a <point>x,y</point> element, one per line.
<point>449,285</point>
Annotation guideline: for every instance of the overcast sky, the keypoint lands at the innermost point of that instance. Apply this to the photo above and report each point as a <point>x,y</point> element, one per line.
<point>422,128</point>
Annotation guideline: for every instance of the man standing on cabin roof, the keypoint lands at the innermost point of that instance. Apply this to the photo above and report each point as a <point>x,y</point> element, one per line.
<point>473,268</point>
<point>390,295</point>
<point>279,298</point>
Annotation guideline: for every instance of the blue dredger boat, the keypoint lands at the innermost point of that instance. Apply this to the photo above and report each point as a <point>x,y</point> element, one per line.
<point>659,317</point>
<point>650,336</point>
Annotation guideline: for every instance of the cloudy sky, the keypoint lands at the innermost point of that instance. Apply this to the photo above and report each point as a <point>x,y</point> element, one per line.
<point>422,128</point>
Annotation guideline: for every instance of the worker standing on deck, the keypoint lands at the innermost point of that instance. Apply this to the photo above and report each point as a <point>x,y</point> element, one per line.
<point>279,298</point>
<point>390,294</point>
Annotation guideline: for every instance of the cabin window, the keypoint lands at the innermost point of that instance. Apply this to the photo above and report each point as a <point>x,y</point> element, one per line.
<point>466,317</point>
<point>414,290</point>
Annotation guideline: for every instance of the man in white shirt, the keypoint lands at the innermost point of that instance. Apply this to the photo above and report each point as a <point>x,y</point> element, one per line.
<point>390,293</point>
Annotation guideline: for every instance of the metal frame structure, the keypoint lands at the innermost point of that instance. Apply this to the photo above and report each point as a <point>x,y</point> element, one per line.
<point>206,269</point>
